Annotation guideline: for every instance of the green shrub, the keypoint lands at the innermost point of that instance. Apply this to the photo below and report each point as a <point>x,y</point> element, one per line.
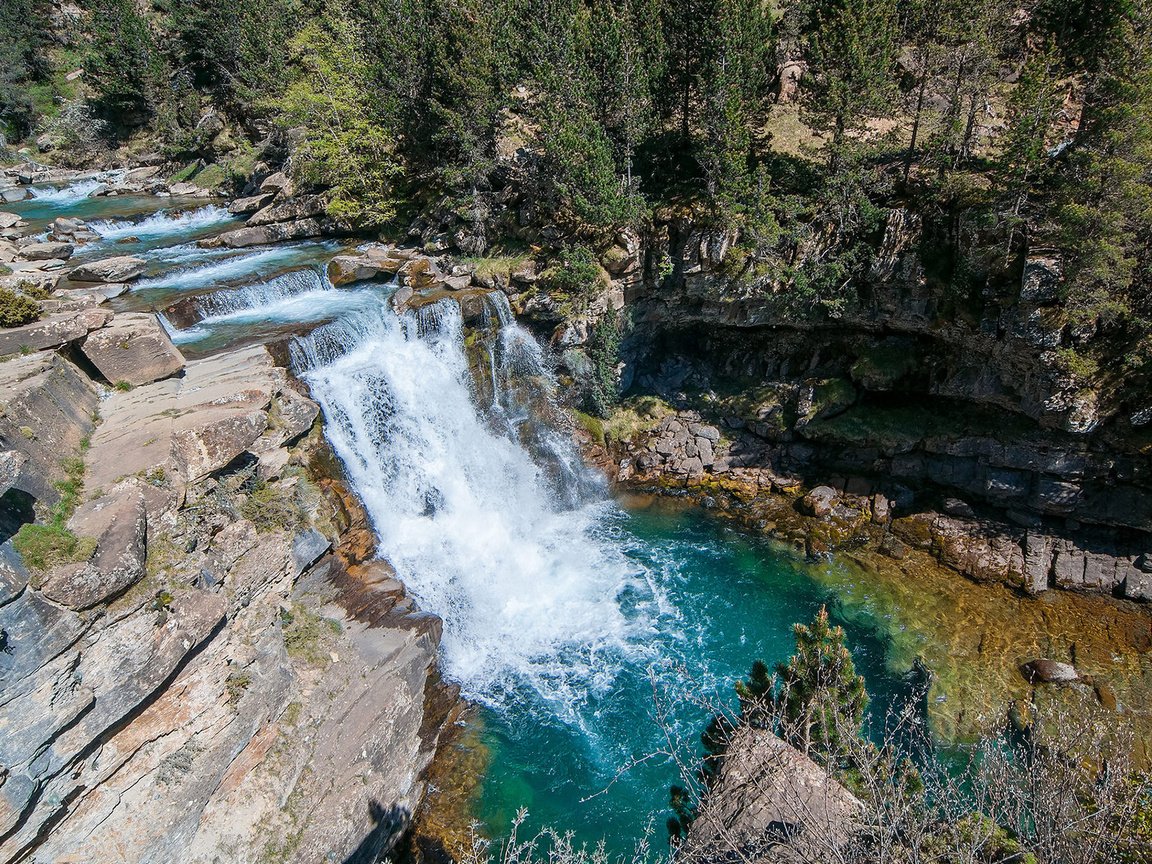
<point>270,509</point>
<point>16,310</point>
<point>575,273</point>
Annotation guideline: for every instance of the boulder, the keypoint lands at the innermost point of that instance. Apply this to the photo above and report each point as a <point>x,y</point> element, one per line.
<point>133,348</point>
<point>1045,671</point>
<point>120,269</point>
<point>304,207</point>
<point>819,501</point>
<point>189,190</point>
<point>9,220</point>
<point>344,269</point>
<point>117,522</point>
<point>769,803</point>
<point>47,251</point>
<point>15,194</point>
<point>274,183</point>
<point>46,407</point>
<point>261,235</point>
<point>250,204</point>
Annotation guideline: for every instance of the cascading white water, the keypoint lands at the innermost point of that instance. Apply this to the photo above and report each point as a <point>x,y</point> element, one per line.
<point>530,590</point>
<point>297,296</point>
<point>163,223</point>
<point>74,191</point>
<point>235,266</point>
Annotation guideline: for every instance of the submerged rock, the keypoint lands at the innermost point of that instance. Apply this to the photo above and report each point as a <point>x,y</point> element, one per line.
<point>1045,671</point>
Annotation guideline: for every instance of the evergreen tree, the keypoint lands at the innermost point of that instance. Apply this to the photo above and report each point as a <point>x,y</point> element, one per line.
<point>732,83</point>
<point>23,61</point>
<point>235,49</point>
<point>123,65</point>
<point>686,25</point>
<point>821,699</point>
<point>1104,210</point>
<point>460,105</point>
<point>851,53</point>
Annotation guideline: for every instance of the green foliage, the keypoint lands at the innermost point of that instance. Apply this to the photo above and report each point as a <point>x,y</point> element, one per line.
<point>575,273</point>
<point>45,546</point>
<point>822,698</point>
<point>604,353</point>
<point>270,508</point>
<point>16,309</point>
<point>851,50</point>
<point>23,63</point>
<point>307,635</point>
<point>124,65</point>
<point>347,148</point>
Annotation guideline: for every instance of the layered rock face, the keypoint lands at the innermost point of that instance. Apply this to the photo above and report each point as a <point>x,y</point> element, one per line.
<point>915,398</point>
<point>201,670</point>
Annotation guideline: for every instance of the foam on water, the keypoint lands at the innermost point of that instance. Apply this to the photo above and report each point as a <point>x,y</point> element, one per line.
<point>163,224</point>
<point>298,296</point>
<point>73,191</point>
<point>238,266</point>
<point>531,590</point>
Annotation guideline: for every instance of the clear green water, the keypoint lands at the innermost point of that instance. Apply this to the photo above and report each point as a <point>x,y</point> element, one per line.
<point>728,599</point>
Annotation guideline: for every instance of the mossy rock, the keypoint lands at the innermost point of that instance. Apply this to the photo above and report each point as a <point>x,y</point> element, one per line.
<point>883,366</point>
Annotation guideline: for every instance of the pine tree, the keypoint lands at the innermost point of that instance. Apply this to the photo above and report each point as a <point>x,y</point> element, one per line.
<point>23,61</point>
<point>123,65</point>
<point>821,699</point>
<point>461,101</point>
<point>851,53</point>
<point>732,83</point>
<point>686,31</point>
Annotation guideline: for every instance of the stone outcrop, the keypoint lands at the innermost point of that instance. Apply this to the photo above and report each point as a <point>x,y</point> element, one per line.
<point>46,411</point>
<point>117,522</point>
<point>275,232</point>
<point>133,348</point>
<point>52,331</point>
<point>771,803</point>
<point>212,682</point>
<point>122,269</point>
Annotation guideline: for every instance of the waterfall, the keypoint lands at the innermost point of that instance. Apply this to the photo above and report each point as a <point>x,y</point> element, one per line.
<point>298,296</point>
<point>507,542</point>
<point>163,223</point>
<point>236,266</point>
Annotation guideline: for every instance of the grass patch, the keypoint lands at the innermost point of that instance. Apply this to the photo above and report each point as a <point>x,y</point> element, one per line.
<point>43,546</point>
<point>46,546</point>
<point>212,177</point>
<point>184,173</point>
<point>308,635</point>
<point>236,684</point>
<point>497,265</point>
<point>633,417</point>
<point>124,386</point>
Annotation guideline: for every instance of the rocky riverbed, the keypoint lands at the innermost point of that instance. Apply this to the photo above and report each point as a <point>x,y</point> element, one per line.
<point>199,661</point>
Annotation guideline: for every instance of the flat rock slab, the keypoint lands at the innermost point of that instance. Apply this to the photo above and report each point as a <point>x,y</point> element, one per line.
<point>275,232</point>
<point>46,251</point>
<point>53,331</point>
<point>121,269</point>
<point>133,348</point>
<point>118,522</point>
<point>191,426</point>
